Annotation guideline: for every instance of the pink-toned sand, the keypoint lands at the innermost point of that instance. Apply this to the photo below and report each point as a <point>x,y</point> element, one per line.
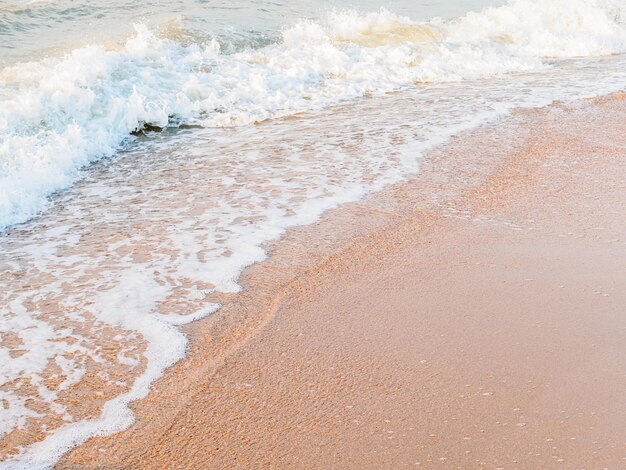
<point>473,317</point>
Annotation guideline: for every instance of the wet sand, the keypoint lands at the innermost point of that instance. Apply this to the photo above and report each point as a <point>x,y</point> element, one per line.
<point>472,317</point>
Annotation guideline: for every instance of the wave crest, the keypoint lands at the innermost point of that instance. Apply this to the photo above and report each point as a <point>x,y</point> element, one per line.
<point>60,114</point>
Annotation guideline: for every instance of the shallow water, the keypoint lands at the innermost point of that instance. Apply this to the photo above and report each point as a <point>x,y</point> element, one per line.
<point>38,28</point>
<point>115,237</point>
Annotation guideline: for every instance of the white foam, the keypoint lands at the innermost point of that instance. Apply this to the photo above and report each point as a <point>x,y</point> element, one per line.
<point>241,190</point>
<point>58,115</point>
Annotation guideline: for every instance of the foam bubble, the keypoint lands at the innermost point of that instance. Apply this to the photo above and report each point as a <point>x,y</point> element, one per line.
<point>131,254</point>
<point>59,115</point>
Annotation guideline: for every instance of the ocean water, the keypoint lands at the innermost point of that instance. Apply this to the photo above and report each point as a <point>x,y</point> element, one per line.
<point>148,151</point>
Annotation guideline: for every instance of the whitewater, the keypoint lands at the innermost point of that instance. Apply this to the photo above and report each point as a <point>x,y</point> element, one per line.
<point>140,174</point>
<point>60,114</point>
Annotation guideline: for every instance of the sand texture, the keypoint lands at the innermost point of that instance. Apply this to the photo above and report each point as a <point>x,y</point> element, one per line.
<point>472,317</point>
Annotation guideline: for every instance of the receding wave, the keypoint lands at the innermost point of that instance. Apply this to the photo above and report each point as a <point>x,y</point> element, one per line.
<point>133,228</point>
<point>58,115</point>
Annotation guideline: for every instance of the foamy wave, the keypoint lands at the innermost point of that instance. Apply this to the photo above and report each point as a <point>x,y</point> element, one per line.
<point>555,28</point>
<point>174,245</point>
<point>61,114</point>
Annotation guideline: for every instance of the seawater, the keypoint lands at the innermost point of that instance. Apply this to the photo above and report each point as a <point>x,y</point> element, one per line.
<point>38,28</point>
<point>148,152</point>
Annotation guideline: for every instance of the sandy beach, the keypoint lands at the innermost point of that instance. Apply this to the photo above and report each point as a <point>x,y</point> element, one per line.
<point>340,234</point>
<point>471,317</point>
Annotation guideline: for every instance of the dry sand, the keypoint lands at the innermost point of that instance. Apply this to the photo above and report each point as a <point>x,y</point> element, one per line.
<point>472,317</point>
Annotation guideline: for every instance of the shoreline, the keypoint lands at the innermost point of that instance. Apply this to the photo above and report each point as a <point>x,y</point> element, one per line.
<point>258,345</point>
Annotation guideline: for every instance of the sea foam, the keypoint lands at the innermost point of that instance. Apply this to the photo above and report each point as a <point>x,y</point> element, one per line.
<point>60,114</point>
<point>132,254</point>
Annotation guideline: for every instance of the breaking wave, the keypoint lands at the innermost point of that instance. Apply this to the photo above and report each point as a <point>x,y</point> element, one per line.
<point>59,114</point>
